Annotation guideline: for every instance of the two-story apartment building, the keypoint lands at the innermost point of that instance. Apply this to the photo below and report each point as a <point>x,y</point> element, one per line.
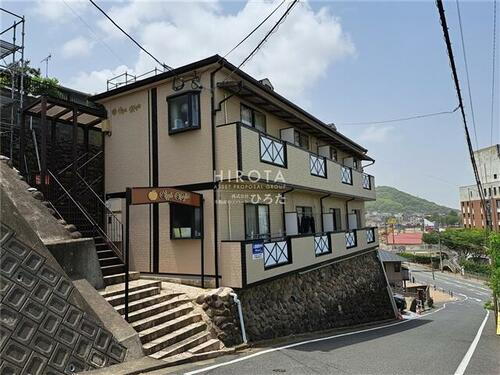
<point>473,215</point>
<point>281,190</point>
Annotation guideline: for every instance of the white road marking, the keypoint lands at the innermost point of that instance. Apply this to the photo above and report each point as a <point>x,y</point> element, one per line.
<point>476,299</point>
<point>465,361</point>
<point>209,368</point>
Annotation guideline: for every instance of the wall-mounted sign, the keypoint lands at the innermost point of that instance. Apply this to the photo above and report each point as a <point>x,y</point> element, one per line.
<point>150,195</point>
<point>121,110</point>
<point>257,251</point>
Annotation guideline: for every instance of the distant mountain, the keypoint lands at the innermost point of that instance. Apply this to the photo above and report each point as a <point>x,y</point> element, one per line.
<point>394,201</point>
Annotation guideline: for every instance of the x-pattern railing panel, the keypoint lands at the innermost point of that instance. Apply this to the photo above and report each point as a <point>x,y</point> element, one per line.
<point>366,182</point>
<point>350,239</point>
<point>370,235</point>
<point>317,165</point>
<point>275,253</point>
<point>272,151</point>
<point>321,245</point>
<point>346,175</point>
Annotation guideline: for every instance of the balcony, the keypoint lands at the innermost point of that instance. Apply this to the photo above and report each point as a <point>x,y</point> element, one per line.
<point>250,261</point>
<point>253,152</point>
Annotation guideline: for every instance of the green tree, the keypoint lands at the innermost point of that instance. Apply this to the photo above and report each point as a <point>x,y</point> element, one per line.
<point>494,253</point>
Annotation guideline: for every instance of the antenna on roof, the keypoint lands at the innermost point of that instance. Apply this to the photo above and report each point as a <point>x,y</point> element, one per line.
<point>47,64</point>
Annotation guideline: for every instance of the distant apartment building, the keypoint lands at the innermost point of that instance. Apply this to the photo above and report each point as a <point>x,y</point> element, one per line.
<point>473,215</point>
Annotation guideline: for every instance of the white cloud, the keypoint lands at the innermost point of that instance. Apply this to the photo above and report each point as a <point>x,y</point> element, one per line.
<point>95,81</point>
<point>177,32</point>
<point>59,10</point>
<point>376,134</point>
<point>77,47</point>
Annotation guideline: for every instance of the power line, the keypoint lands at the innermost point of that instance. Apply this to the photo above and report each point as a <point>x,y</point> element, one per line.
<point>255,29</point>
<point>130,37</point>
<point>493,69</point>
<point>467,74</point>
<point>444,25</point>
<point>400,119</point>
<point>96,37</point>
<point>272,30</point>
<point>282,18</point>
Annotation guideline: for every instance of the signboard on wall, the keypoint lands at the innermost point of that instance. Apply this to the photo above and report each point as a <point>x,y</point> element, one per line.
<point>257,250</point>
<point>150,195</point>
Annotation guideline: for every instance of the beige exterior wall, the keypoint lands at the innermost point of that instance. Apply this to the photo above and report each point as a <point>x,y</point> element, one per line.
<point>303,255</point>
<point>186,158</point>
<point>392,275</point>
<point>230,264</point>
<point>297,173</point>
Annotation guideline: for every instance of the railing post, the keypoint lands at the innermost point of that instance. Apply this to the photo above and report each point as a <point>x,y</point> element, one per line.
<point>127,248</point>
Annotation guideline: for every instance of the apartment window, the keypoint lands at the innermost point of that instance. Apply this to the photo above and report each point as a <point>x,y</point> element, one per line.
<point>495,176</point>
<point>185,221</point>
<point>397,267</point>
<point>253,118</point>
<point>306,222</point>
<point>301,139</point>
<point>494,190</point>
<point>184,112</point>
<point>355,163</point>
<point>256,221</point>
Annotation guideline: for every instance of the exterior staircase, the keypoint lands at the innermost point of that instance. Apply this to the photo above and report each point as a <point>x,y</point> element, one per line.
<point>112,267</point>
<point>169,327</point>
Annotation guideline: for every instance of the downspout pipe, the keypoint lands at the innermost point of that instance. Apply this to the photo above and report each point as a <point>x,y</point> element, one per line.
<point>240,313</point>
<point>322,212</point>
<point>214,169</point>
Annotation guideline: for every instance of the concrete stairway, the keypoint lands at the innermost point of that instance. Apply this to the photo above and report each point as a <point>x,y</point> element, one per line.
<point>167,324</point>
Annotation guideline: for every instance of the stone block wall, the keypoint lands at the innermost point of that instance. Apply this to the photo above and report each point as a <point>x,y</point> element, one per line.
<point>346,293</point>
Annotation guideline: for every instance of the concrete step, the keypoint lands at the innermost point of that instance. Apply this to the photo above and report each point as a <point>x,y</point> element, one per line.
<point>188,357</point>
<point>112,270</point>
<point>120,278</point>
<point>132,286</point>
<point>163,329</point>
<point>162,317</point>
<point>110,261</point>
<point>101,245</point>
<point>207,346</point>
<point>135,295</point>
<point>173,337</point>
<point>144,303</point>
<point>182,346</point>
<point>174,301</point>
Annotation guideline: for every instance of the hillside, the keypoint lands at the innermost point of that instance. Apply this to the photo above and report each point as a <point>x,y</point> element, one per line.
<point>394,201</point>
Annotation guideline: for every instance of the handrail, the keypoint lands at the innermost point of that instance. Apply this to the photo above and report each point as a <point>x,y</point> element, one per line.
<point>98,198</point>
<point>98,179</point>
<point>88,161</point>
<point>69,165</point>
<point>116,250</point>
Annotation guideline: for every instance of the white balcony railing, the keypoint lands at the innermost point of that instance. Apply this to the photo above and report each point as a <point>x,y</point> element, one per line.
<point>275,253</point>
<point>321,245</point>
<point>272,151</point>
<point>350,239</point>
<point>367,184</point>
<point>346,175</point>
<point>317,165</point>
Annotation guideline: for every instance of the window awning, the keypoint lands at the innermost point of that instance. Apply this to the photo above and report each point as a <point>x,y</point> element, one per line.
<point>294,115</point>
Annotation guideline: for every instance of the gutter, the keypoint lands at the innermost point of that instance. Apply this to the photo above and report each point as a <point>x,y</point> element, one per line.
<point>240,313</point>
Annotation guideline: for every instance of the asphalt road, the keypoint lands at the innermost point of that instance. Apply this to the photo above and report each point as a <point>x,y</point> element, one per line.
<point>435,343</point>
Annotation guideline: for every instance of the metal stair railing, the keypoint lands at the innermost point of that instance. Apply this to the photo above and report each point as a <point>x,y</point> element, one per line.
<point>118,250</point>
<point>114,227</point>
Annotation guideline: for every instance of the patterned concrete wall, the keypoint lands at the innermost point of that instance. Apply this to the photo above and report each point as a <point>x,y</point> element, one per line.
<point>43,330</point>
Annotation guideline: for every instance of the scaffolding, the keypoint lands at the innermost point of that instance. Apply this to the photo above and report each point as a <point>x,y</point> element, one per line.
<point>11,65</point>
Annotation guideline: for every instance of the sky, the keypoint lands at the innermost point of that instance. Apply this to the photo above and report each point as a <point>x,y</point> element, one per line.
<point>345,62</point>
